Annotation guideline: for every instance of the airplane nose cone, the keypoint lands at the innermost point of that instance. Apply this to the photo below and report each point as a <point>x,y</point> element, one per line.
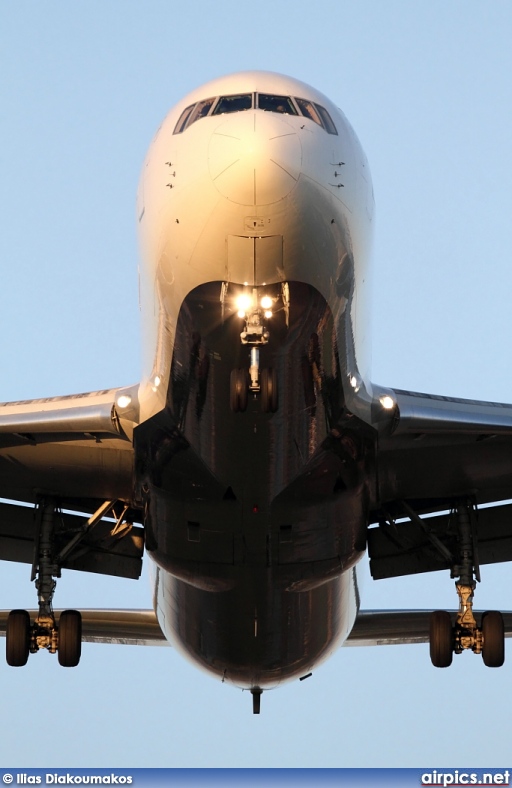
<point>255,158</point>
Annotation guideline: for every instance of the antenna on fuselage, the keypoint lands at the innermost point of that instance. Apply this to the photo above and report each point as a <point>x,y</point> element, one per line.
<point>256,693</point>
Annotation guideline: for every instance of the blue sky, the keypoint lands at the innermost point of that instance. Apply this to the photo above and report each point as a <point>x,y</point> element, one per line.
<point>427,87</point>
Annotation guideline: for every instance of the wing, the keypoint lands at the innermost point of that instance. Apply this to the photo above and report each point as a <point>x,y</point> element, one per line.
<point>399,627</point>
<point>125,627</point>
<point>440,451</point>
<point>141,628</point>
<point>76,450</point>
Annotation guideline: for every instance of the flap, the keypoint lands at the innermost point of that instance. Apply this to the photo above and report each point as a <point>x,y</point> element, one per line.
<point>404,548</point>
<point>107,548</point>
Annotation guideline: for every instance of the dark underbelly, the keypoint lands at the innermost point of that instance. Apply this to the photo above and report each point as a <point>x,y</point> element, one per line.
<point>257,634</point>
<point>256,518</point>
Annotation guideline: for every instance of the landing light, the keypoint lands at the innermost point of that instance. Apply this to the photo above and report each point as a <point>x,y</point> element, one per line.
<point>243,302</point>
<point>266,303</point>
<point>268,313</point>
<point>124,400</point>
<point>387,402</point>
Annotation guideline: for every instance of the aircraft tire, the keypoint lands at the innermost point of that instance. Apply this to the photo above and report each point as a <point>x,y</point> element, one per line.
<point>493,630</point>
<point>268,385</point>
<point>70,638</point>
<point>238,390</point>
<point>17,638</point>
<point>441,639</point>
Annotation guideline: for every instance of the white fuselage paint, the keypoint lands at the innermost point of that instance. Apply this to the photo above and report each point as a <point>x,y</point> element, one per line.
<point>201,188</point>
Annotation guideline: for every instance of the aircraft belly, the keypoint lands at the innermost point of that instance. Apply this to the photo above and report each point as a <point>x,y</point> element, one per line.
<point>256,519</point>
<point>257,634</point>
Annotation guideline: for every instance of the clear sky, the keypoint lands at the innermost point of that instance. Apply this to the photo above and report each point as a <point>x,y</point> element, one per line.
<point>427,87</point>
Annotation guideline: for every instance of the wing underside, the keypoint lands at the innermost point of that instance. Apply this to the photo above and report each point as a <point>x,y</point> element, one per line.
<point>76,451</point>
<point>438,453</point>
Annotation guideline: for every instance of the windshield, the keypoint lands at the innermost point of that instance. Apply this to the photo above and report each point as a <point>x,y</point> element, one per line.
<point>285,105</point>
<point>233,103</point>
<point>316,113</point>
<point>281,104</point>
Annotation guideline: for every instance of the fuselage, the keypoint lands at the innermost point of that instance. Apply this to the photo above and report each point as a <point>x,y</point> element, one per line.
<point>255,185</point>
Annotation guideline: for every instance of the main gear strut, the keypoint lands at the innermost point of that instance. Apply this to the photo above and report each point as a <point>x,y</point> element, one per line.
<point>64,636</point>
<point>44,569</point>
<point>487,639</point>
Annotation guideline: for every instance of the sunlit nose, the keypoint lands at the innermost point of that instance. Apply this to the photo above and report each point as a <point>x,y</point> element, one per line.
<point>255,157</point>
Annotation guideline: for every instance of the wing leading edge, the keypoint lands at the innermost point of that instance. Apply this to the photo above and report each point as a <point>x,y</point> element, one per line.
<point>75,448</point>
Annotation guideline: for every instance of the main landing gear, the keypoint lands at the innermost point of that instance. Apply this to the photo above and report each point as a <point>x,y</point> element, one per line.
<point>445,638</point>
<point>263,382</point>
<point>63,637</point>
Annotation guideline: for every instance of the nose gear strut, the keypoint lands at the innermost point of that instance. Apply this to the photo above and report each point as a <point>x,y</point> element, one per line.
<point>255,334</point>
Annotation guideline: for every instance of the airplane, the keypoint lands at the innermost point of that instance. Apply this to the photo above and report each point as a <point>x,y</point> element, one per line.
<point>255,463</point>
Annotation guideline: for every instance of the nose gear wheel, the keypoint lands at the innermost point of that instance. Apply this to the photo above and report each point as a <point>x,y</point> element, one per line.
<point>238,390</point>
<point>268,384</point>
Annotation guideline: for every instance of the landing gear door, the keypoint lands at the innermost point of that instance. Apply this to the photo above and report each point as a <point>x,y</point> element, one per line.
<point>241,259</point>
<point>269,259</point>
<point>255,261</point>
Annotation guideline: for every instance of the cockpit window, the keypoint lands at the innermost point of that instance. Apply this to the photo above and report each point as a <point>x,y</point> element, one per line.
<point>309,110</point>
<point>329,125</point>
<point>201,109</point>
<point>183,119</point>
<point>264,101</point>
<point>281,104</point>
<point>316,113</point>
<point>233,103</point>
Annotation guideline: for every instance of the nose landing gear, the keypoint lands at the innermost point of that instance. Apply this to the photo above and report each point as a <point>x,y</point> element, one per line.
<point>255,334</point>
